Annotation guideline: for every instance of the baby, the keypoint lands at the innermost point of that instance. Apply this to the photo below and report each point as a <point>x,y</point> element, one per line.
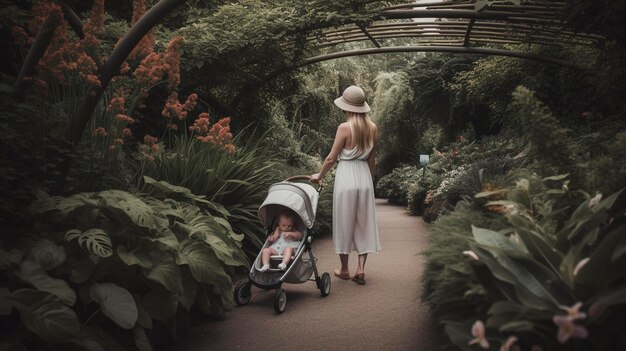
<point>285,240</point>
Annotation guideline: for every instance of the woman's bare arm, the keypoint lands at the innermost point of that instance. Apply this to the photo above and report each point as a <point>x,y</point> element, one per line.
<point>343,131</point>
<point>371,159</point>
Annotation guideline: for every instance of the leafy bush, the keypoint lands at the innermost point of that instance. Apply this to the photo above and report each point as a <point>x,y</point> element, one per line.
<point>529,265</point>
<point>98,264</point>
<point>238,182</point>
<point>396,185</point>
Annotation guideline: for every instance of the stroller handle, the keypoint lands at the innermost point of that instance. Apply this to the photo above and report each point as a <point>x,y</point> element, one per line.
<point>305,177</point>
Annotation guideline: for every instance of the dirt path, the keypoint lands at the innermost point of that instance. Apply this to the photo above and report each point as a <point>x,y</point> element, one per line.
<point>384,314</point>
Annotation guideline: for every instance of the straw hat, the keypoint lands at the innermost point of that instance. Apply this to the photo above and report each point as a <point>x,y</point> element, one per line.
<point>353,100</point>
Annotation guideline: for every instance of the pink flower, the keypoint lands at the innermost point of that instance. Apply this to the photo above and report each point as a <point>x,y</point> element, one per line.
<point>567,329</point>
<point>509,342</point>
<point>573,312</point>
<point>478,332</point>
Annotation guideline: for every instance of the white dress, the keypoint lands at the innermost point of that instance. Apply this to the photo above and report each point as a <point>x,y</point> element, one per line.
<point>354,211</point>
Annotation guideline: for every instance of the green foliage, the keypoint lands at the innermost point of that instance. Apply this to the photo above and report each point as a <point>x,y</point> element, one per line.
<point>396,185</point>
<point>393,98</point>
<point>549,141</point>
<point>530,264</point>
<point>141,261</point>
<point>238,182</point>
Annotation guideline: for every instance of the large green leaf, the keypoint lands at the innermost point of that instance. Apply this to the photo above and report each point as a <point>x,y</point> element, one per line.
<point>137,256</point>
<point>160,304</point>
<point>206,228</point>
<point>532,282</point>
<point>204,265</point>
<point>96,240</point>
<point>116,303</point>
<point>190,289</point>
<point>165,271</point>
<point>601,271</point>
<point>489,238</point>
<point>173,190</point>
<point>132,207</point>
<point>541,250</point>
<point>45,315</point>
<point>586,218</point>
<point>32,273</point>
<point>141,339</point>
<point>64,205</point>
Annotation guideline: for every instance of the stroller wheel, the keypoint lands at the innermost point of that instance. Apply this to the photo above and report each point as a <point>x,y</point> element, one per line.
<point>280,301</point>
<point>243,293</point>
<point>325,288</point>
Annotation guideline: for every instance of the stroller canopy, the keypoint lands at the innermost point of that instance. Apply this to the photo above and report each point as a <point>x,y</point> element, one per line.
<point>300,197</point>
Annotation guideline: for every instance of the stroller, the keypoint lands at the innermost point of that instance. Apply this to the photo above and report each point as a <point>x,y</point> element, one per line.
<point>302,199</point>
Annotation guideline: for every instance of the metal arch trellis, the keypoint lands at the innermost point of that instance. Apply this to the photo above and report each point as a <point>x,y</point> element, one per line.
<point>459,26</point>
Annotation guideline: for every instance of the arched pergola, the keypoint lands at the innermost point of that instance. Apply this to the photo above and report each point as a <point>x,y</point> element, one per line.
<point>457,26</point>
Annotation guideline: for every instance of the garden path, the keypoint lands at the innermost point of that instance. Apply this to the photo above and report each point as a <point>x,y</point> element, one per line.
<point>384,314</point>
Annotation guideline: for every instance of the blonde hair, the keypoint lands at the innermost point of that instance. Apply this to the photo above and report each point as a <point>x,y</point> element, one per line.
<point>363,131</point>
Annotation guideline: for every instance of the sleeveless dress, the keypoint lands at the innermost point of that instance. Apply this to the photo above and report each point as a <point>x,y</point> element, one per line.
<point>354,213</point>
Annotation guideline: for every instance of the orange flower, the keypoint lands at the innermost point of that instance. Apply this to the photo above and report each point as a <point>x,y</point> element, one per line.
<point>20,37</point>
<point>173,108</point>
<point>172,61</point>
<point>150,71</point>
<point>145,46</point>
<point>117,105</point>
<point>191,102</point>
<point>126,132</point>
<point>148,157</point>
<point>100,131</point>
<point>219,134</point>
<point>118,141</point>
<point>150,140</point>
<point>120,117</point>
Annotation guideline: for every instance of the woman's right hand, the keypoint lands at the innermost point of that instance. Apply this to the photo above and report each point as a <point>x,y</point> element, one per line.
<point>315,178</point>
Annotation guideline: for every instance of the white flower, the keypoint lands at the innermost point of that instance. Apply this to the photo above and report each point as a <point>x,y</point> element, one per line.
<point>471,254</point>
<point>580,265</point>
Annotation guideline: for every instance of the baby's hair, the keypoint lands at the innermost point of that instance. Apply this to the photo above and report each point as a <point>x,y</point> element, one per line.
<point>287,214</point>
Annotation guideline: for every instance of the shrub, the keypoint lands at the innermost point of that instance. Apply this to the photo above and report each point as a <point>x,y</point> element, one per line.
<point>237,181</point>
<point>98,264</point>
<point>396,185</point>
<point>528,265</point>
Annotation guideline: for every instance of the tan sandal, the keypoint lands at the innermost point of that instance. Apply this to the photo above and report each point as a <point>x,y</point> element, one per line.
<point>359,279</point>
<point>342,275</point>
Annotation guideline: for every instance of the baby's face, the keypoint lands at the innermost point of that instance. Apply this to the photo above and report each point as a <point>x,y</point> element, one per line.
<point>285,224</point>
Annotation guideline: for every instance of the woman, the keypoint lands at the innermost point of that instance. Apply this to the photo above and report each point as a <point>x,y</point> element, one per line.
<point>354,211</point>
